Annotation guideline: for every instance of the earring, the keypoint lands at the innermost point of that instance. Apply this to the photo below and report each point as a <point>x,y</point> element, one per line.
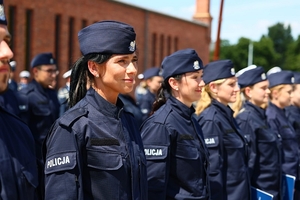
<point>97,75</point>
<point>176,89</point>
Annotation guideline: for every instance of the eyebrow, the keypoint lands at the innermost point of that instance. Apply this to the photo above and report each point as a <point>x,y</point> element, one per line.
<point>7,38</point>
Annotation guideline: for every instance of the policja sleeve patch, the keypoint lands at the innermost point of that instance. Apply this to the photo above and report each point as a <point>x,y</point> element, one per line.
<point>155,152</point>
<point>212,142</point>
<point>60,162</point>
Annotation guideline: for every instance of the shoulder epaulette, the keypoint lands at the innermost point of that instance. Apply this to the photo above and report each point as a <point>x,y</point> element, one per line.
<point>71,116</point>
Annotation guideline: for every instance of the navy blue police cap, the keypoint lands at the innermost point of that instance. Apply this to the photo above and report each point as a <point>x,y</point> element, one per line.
<point>250,76</point>
<point>2,14</point>
<point>297,77</point>
<point>43,59</point>
<point>110,37</point>
<point>181,62</point>
<point>219,69</point>
<point>151,72</point>
<point>279,78</point>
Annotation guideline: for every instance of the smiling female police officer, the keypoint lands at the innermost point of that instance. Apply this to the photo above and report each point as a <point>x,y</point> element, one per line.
<point>94,151</point>
<point>280,97</point>
<point>229,178</point>
<point>264,160</point>
<point>174,146</point>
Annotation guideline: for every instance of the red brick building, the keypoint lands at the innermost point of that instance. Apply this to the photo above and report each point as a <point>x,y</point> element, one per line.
<point>52,26</point>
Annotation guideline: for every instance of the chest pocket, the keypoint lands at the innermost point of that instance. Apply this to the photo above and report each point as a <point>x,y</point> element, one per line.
<point>232,140</point>
<point>104,160</point>
<point>286,132</point>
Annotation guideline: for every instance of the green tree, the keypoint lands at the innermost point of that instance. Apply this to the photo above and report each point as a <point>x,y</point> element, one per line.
<point>281,38</point>
<point>293,56</point>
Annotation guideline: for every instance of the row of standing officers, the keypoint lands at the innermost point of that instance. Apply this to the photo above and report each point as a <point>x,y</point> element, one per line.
<point>97,151</point>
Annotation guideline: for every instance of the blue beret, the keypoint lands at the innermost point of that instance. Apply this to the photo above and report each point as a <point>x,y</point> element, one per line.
<point>279,78</point>
<point>219,69</point>
<point>43,59</point>
<point>181,62</point>
<point>2,14</point>
<point>297,77</point>
<point>153,71</point>
<point>251,77</point>
<point>109,37</point>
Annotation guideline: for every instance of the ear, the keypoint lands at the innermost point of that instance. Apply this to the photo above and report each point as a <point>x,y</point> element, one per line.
<point>213,87</point>
<point>93,68</point>
<point>173,83</point>
<point>248,92</point>
<point>35,70</point>
<point>275,94</point>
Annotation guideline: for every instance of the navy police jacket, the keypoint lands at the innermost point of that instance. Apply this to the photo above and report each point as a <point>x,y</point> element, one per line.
<point>176,153</point>
<point>229,176</point>
<point>18,174</point>
<point>40,110</point>
<point>94,151</point>
<point>264,159</point>
<point>145,104</point>
<point>11,101</point>
<point>280,125</point>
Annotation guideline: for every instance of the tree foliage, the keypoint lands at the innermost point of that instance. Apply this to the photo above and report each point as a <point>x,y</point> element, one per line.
<point>277,48</point>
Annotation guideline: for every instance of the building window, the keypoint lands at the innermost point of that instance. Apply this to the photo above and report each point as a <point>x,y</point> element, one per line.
<point>12,26</point>
<point>154,49</point>
<point>83,23</point>
<point>169,45</point>
<point>28,39</point>
<point>57,37</point>
<point>71,39</point>
<point>176,44</point>
<point>162,47</point>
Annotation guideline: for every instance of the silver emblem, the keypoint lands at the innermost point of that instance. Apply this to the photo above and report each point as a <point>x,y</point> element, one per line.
<point>2,14</point>
<point>293,80</point>
<point>51,60</point>
<point>263,76</point>
<point>132,46</point>
<point>232,71</point>
<point>196,65</point>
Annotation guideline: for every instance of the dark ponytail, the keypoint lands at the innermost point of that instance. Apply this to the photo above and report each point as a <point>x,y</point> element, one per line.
<point>163,93</point>
<point>81,75</point>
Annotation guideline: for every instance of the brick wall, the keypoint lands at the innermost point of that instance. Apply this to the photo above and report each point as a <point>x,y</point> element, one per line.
<point>34,27</point>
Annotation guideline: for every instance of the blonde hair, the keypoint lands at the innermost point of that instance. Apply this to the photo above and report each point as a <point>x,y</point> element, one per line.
<point>206,97</point>
<point>237,105</point>
<point>277,87</point>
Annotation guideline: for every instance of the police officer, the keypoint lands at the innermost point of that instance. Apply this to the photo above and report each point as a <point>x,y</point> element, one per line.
<point>63,94</point>
<point>174,147</point>
<point>264,145</point>
<point>153,80</point>
<point>18,172</point>
<point>293,115</point>
<point>229,177</point>
<point>280,97</point>
<point>94,151</point>
<point>40,103</point>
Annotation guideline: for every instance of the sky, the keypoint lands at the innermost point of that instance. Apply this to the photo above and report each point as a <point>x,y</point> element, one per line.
<point>240,18</point>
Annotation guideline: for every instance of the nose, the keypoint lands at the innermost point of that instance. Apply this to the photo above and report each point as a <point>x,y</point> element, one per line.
<point>131,69</point>
<point>201,84</point>
<point>5,51</point>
